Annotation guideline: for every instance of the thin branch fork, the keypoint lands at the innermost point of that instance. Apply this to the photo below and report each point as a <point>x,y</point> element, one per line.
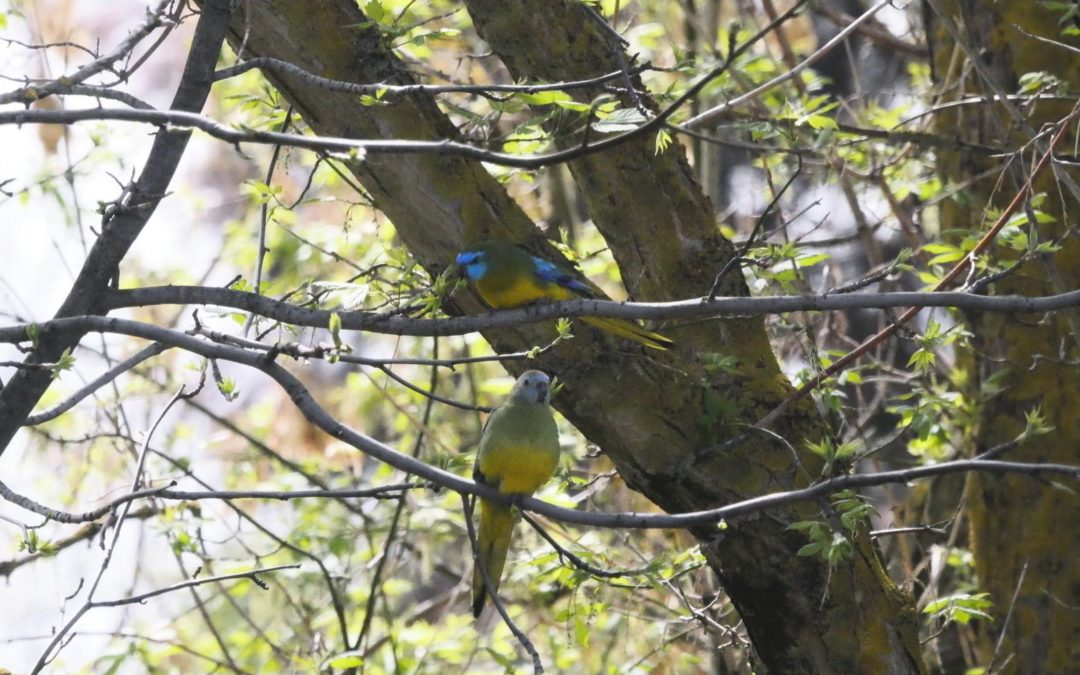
<point>155,18</point>
<point>122,226</point>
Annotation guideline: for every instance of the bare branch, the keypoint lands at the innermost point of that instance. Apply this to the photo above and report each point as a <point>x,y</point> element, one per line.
<point>154,19</point>
<point>696,308</point>
<point>143,597</point>
<point>292,70</point>
<point>621,520</point>
<point>715,112</point>
<point>58,643</point>
<point>167,493</point>
<point>92,386</point>
<point>186,119</point>
<point>489,588</point>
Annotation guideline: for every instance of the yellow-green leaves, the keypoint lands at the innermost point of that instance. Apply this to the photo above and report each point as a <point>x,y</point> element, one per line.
<point>960,608</point>
<point>831,545</point>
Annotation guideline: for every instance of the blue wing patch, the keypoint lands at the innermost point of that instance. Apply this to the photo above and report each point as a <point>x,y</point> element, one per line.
<point>553,274</point>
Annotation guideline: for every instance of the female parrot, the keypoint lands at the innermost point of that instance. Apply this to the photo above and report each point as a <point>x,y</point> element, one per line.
<point>509,276</point>
<point>519,450</point>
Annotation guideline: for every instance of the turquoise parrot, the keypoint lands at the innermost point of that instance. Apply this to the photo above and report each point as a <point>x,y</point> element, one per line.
<point>509,276</point>
<point>519,451</point>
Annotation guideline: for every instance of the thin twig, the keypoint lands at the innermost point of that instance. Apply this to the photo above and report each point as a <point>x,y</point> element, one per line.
<point>92,386</point>
<point>489,588</point>
<point>1008,617</point>
<point>57,643</point>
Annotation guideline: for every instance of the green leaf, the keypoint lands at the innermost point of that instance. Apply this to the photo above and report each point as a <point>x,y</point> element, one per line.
<point>576,106</point>
<point>335,329</point>
<point>811,260</point>
<point>349,659</point>
<point>547,97</point>
<point>850,377</point>
<point>65,362</point>
<point>810,549</point>
<point>663,140</point>
<point>375,10</point>
<point>227,387</point>
<point>922,360</point>
<point>821,122</point>
<point>562,326</point>
<point>581,631</point>
<point>623,119</point>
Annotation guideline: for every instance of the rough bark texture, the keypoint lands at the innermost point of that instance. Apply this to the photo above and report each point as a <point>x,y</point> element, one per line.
<point>649,412</point>
<point>1017,521</point>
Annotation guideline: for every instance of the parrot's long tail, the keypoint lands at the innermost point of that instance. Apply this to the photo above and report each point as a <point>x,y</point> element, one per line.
<point>493,540</point>
<point>630,331</point>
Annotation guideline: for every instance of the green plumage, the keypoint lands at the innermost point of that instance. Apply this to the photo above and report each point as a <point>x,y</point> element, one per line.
<point>519,451</point>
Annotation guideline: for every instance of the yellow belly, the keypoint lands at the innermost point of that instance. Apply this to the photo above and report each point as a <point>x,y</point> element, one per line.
<point>520,292</point>
<point>519,469</point>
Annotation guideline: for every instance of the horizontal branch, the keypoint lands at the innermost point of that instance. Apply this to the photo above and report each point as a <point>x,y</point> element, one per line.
<point>696,308</point>
<point>176,118</point>
<point>143,597</point>
<point>181,120</point>
<point>381,492</point>
<point>317,415</point>
<point>87,532</point>
<point>293,70</point>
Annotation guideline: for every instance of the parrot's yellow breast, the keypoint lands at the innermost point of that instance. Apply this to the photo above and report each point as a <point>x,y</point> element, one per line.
<point>519,469</point>
<point>520,448</point>
<point>520,290</point>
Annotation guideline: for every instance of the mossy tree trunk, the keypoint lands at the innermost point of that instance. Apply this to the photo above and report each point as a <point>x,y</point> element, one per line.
<point>654,415</point>
<point>1023,531</point>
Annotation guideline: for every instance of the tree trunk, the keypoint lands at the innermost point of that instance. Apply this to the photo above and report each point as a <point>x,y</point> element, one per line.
<point>1022,530</point>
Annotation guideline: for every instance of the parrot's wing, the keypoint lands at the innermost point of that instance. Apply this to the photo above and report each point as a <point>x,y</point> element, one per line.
<point>552,273</point>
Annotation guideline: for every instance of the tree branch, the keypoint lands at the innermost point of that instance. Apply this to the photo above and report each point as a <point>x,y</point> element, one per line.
<point>167,493</point>
<point>695,308</point>
<point>92,386</point>
<point>29,94</point>
<point>285,68</point>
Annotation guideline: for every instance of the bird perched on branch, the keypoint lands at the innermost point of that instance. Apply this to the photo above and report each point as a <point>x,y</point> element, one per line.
<point>519,450</point>
<point>509,276</point>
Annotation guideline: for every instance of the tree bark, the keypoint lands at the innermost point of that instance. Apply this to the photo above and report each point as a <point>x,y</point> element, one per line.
<point>1021,529</point>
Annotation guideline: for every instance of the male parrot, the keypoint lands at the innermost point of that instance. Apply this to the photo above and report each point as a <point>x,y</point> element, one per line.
<point>519,450</point>
<point>509,276</point>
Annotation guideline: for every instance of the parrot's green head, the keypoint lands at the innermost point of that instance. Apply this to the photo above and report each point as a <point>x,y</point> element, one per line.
<point>532,387</point>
